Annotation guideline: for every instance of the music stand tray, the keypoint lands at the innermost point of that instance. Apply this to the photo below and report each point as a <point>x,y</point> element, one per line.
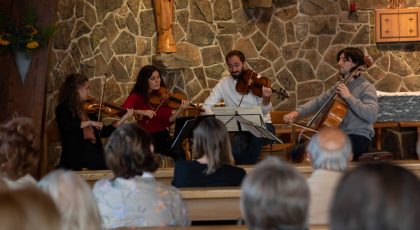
<point>257,130</point>
<point>227,115</point>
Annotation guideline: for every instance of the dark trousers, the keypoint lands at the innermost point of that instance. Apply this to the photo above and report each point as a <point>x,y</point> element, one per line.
<point>246,147</point>
<point>360,145</point>
<point>161,141</point>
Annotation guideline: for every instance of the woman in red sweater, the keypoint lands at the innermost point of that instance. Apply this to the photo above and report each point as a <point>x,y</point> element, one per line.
<point>154,119</point>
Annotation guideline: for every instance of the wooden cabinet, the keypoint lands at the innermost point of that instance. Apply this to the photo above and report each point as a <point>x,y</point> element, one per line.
<point>397,25</point>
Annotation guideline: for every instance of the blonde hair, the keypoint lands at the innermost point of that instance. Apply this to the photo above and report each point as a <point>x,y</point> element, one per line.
<point>211,139</point>
<point>26,209</point>
<point>74,198</point>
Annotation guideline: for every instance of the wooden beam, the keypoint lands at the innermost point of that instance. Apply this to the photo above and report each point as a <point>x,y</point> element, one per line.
<point>27,98</point>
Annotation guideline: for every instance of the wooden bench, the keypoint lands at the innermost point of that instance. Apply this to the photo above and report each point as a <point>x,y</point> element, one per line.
<point>214,227</point>
<point>165,175</point>
<point>219,203</point>
<point>213,203</point>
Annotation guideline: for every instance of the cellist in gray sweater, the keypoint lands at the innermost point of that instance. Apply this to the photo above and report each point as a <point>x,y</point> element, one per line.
<point>359,95</point>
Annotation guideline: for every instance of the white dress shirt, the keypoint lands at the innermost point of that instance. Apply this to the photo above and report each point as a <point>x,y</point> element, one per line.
<point>225,90</point>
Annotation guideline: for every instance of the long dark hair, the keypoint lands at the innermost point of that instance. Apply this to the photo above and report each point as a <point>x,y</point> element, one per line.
<point>142,84</point>
<point>69,94</point>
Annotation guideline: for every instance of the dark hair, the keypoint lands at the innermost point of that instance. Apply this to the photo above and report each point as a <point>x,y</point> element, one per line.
<point>142,84</point>
<point>355,54</point>
<point>18,152</point>
<point>68,92</point>
<point>211,139</point>
<point>235,53</point>
<point>376,196</point>
<point>128,152</point>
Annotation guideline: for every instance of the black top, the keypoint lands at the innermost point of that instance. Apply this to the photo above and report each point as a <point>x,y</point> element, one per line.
<point>78,153</point>
<point>192,174</point>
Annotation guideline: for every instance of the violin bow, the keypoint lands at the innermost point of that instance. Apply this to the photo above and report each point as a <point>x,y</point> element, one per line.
<point>161,103</point>
<point>102,97</point>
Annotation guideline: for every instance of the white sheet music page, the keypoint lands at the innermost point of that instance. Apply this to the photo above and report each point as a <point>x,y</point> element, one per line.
<point>226,115</point>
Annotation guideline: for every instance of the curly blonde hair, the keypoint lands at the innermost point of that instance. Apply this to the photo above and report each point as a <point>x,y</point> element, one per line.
<point>18,152</point>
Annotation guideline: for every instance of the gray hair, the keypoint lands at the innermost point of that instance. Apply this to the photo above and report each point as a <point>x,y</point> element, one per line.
<point>274,195</point>
<point>335,158</point>
<point>74,199</point>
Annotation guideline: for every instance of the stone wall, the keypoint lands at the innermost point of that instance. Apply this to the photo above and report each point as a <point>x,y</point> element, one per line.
<point>293,43</point>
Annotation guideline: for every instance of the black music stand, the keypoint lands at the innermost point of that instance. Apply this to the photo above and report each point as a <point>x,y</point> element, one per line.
<point>184,127</point>
<point>257,130</point>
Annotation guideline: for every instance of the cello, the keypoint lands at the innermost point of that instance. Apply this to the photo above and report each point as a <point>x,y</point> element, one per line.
<point>333,111</point>
<point>330,114</point>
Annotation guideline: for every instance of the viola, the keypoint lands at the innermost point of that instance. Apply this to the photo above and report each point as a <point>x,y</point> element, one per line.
<point>173,100</point>
<point>93,106</point>
<point>250,81</point>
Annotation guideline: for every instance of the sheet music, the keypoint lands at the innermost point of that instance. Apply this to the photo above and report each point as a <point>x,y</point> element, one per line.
<point>257,130</point>
<point>227,114</point>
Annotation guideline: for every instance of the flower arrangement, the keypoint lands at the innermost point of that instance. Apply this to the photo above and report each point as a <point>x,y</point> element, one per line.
<point>25,36</point>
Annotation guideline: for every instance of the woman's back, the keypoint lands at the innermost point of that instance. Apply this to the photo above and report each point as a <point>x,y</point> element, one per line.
<point>139,202</point>
<point>193,174</point>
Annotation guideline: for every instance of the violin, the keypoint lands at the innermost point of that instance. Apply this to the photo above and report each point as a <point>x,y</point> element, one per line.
<point>251,81</point>
<point>173,100</point>
<point>108,108</point>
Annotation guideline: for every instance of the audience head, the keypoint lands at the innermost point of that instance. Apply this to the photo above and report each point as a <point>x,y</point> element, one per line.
<point>74,199</point>
<point>28,208</point>
<point>129,151</point>
<point>18,152</point>
<point>376,196</point>
<point>275,196</point>
<point>418,147</point>
<point>73,91</point>
<point>211,140</point>
<point>330,149</point>
<point>148,79</point>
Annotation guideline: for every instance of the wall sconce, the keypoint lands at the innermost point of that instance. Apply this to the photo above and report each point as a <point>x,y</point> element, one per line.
<point>352,7</point>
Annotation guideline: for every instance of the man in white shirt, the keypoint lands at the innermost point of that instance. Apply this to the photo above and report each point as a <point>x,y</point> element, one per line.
<point>246,148</point>
<point>330,152</point>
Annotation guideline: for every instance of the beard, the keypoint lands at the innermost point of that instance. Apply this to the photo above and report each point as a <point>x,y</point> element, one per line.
<point>237,75</point>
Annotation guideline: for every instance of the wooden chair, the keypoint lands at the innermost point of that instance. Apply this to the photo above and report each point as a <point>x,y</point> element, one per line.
<point>281,129</point>
<point>51,150</point>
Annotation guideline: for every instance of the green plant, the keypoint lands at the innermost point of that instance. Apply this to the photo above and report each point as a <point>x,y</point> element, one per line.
<point>23,36</point>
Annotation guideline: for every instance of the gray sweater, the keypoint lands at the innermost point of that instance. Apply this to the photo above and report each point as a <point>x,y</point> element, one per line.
<point>362,112</point>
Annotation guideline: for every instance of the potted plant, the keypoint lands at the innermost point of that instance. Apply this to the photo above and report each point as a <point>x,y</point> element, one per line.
<point>23,38</point>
